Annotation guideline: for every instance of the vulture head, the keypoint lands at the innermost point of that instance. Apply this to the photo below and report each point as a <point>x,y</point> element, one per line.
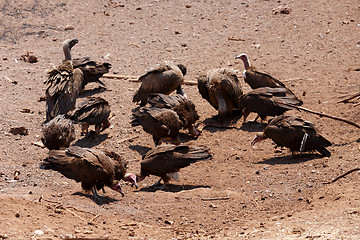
<point>67,45</point>
<point>117,187</point>
<point>131,178</point>
<point>259,137</point>
<point>245,59</point>
<point>182,68</point>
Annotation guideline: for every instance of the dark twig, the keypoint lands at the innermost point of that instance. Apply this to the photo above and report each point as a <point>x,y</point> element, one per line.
<point>322,114</point>
<point>343,175</point>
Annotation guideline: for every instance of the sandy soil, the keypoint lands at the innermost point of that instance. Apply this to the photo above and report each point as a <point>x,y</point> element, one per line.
<point>244,192</point>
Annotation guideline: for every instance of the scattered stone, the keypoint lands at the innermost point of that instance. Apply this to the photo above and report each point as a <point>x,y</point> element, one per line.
<point>282,10</point>
<point>38,144</point>
<point>41,99</point>
<point>29,57</point>
<point>69,27</point>
<point>16,174</point>
<point>188,5</point>
<point>26,110</point>
<point>19,130</point>
<point>168,222</point>
<point>17,215</point>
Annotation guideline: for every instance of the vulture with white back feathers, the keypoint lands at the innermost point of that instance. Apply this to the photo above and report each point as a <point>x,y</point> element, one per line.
<point>63,84</point>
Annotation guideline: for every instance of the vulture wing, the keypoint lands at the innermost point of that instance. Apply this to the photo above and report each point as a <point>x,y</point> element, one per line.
<point>170,158</point>
<point>163,78</point>
<point>57,133</point>
<point>231,88</point>
<point>90,167</point>
<point>258,79</point>
<point>93,110</point>
<point>92,70</point>
<point>62,88</point>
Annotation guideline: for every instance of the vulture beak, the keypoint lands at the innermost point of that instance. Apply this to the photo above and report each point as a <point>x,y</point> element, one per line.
<point>117,187</point>
<point>255,140</point>
<point>131,178</point>
<point>195,133</point>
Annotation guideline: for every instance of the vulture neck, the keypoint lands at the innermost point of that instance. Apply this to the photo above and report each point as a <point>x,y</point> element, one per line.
<point>247,63</point>
<point>66,50</point>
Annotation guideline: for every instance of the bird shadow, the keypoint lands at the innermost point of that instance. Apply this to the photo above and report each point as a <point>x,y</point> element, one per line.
<point>101,201</point>
<point>140,149</point>
<point>90,92</point>
<point>252,127</point>
<point>290,159</point>
<point>173,188</point>
<point>91,140</point>
<point>213,124</point>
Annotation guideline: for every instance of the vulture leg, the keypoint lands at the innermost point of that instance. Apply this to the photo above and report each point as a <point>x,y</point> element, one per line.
<point>222,106</point>
<point>157,184</point>
<point>84,128</point>
<point>303,142</point>
<point>180,91</point>
<point>97,129</point>
<point>95,193</point>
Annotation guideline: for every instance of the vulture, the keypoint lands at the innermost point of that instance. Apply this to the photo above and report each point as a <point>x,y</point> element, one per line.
<point>184,108</point>
<point>165,78</point>
<point>63,85</point>
<point>165,161</point>
<point>66,81</point>
<point>266,101</point>
<point>258,79</point>
<point>58,133</point>
<point>92,70</point>
<point>294,133</point>
<point>93,168</point>
<point>222,89</point>
<point>92,111</point>
<point>161,123</point>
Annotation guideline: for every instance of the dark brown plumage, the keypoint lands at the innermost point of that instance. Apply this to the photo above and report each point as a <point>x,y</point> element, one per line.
<point>92,111</point>
<point>93,168</point>
<point>222,89</point>
<point>257,79</point>
<point>58,133</point>
<point>165,161</point>
<point>294,133</point>
<point>161,123</point>
<point>63,85</point>
<point>266,101</point>
<point>184,108</point>
<point>92,70</point>
<point>165,78</point>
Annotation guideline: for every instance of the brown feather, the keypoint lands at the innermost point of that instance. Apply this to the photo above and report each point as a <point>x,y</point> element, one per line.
<point>264,101</point>
<point>164,78</point>
<point>222,89</point>
<point>88,166</point>
<point>159,122</point>
<point>289,131</point>
<point>62,88</point>
<point>184,107</point>
<point>58,133</point>
<point>165,159</point>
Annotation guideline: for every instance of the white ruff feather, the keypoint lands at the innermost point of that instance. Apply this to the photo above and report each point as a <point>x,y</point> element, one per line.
<point>244,74</point>
<point>174,175</point>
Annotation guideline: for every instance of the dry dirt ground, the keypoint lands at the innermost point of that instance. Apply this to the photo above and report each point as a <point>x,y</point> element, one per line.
<point>244,192</point>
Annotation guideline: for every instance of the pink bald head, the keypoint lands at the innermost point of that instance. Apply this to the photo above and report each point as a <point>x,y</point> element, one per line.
<point>245,59</point>
<point>131,178</point>
<point>117,187</point>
